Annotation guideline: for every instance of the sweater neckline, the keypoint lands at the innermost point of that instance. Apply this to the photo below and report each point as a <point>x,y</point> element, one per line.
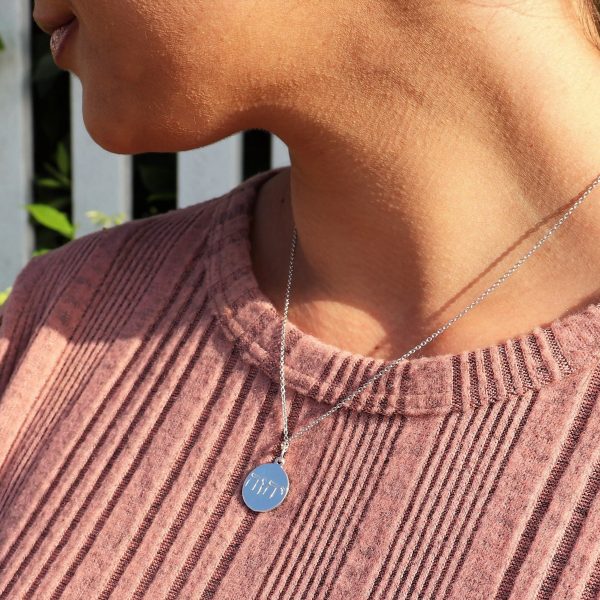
<point>417,386</point>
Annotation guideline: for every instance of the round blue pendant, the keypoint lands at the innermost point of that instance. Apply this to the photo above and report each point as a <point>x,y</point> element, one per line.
<point>265,487</point>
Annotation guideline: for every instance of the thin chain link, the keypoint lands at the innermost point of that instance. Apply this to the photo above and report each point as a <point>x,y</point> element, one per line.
<point>286,437</point>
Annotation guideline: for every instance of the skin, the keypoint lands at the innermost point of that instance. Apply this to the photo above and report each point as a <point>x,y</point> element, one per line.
<point>432,144</point>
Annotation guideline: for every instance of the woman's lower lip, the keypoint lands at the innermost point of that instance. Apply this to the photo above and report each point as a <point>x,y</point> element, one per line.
<point>59,39</point>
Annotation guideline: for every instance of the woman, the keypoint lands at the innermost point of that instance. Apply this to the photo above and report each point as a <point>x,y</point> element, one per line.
<point>432,144</point>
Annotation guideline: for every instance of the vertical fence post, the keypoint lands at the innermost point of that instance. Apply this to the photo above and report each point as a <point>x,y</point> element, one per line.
<point>205,173</point>
<point>102,180</point>
<point>280,155</point>
<point>16,140</point>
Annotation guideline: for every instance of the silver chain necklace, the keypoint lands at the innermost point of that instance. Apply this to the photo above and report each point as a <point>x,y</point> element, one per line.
<point>267,485</point>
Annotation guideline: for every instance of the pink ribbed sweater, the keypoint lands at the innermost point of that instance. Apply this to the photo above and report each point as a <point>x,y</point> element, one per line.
<point>139,385</point>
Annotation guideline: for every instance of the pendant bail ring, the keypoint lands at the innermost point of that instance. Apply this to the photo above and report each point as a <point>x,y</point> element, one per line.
<point>280,460</point>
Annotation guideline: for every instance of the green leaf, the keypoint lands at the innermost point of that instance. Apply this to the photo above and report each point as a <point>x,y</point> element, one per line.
<point>120,218</point>
<point>104,220</point>
<point>2,47</point>
<point>62,158</point>
<point>41,251</point>
<point>47,182</point>
<point>4,295</point>
<point>58,175</point>
<point>97,217</point>
<point>52,219</point>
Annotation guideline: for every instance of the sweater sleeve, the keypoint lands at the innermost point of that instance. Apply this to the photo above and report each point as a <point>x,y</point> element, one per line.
<point>20,314</point>
<point>47,286</point>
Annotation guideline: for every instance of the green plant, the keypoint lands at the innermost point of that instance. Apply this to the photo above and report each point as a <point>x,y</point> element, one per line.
<point>58,174</point>
<point>55,220</point>
<point>4,295</point>
<point>104,220</point>
<point>52,219</point>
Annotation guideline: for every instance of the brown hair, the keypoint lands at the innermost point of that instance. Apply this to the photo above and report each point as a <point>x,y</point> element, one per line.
<point>590,15</point>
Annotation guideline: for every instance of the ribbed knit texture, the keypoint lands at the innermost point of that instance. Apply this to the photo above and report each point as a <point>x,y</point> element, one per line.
<point>139,384</point>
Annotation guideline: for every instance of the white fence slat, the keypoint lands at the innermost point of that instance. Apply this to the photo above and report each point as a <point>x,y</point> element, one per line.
<point>101,180</point>
<point>280,154</point>
<point>205,173</point>
<point>16,140</point>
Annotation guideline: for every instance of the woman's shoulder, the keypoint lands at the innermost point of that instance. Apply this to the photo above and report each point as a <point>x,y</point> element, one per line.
<point>128,262</point>
<point>101,249</point>
<point>123,247</point>
<point>114,280</point>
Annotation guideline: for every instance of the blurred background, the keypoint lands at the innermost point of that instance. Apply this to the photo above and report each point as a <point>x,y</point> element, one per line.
<point>57,184</point>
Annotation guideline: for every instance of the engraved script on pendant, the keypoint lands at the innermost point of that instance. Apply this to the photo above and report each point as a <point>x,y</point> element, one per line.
<point>265,487</point>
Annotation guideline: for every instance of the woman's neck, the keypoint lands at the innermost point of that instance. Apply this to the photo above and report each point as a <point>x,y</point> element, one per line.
<point>438,147</point>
